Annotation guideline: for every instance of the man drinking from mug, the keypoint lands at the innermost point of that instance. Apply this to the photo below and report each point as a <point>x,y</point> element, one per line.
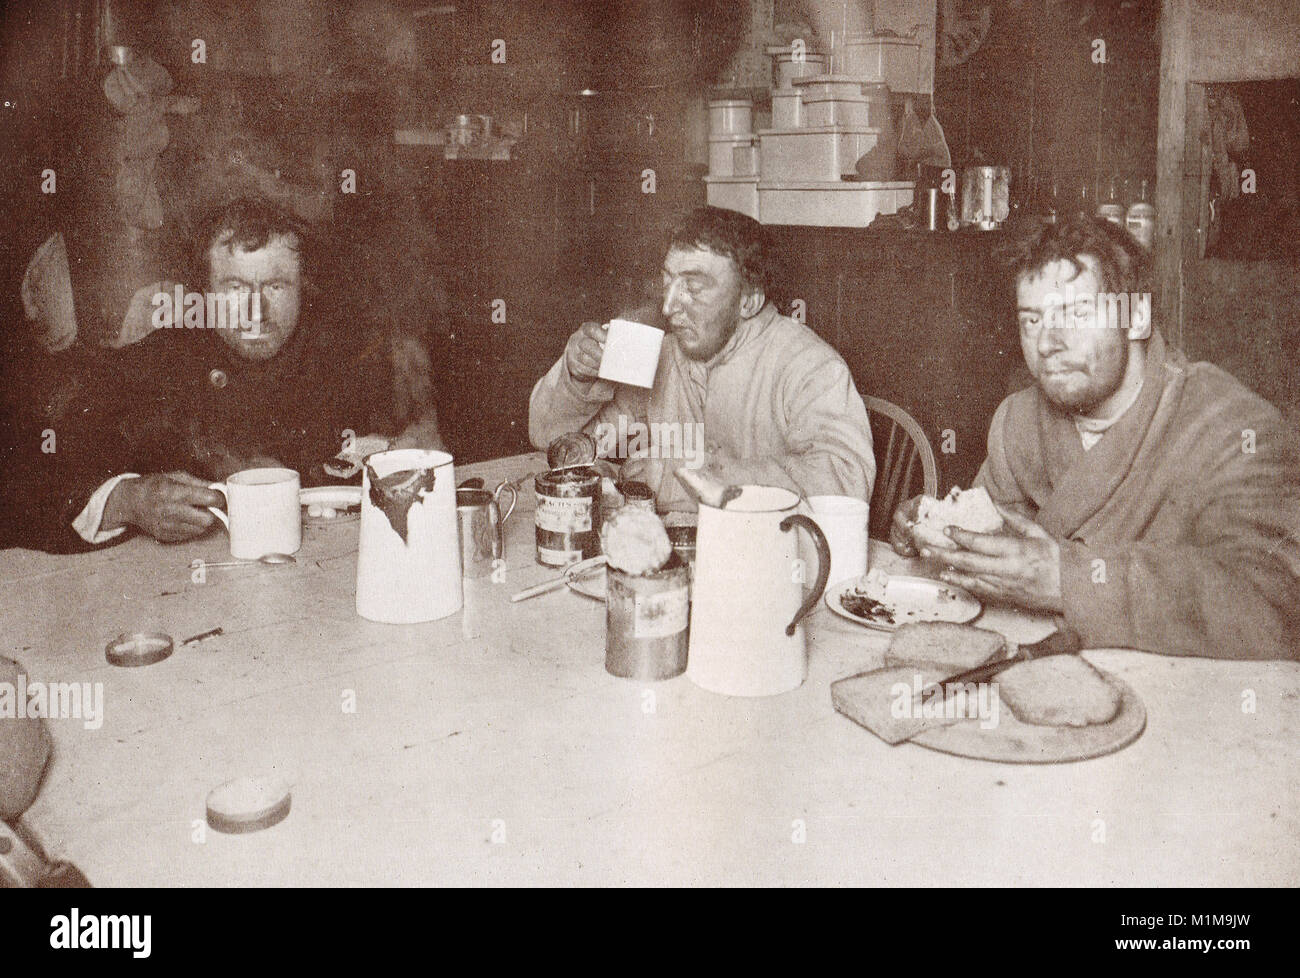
<point>775,404</point>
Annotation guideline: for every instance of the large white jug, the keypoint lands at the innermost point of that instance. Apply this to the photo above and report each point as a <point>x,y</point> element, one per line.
<point>747,600</point>
<point>417,578</point>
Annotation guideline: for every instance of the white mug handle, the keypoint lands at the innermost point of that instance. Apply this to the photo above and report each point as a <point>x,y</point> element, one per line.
<point>219,514</point>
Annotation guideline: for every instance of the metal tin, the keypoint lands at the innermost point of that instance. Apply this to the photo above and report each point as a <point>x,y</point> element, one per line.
<point>936,210</point>
<point>1113,212</point>
<point>567,517</point>
<point>1141,223</point>
<point>646,622</point>
<point>637,495</point>
<point>138,649</point>
<point>682,537</point>
<point>985,196</point>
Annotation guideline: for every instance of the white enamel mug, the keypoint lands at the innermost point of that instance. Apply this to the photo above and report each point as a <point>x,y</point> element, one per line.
<point>262,512</point>
<point>631,353</point>
<point>843,519</point>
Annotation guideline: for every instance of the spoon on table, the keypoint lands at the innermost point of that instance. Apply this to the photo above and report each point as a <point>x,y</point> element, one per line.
<point>272,560</point>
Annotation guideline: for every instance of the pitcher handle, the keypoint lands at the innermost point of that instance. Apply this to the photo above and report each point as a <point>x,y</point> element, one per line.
<point>514,498</point>
<point>823,564</point>
<point>221,488</point>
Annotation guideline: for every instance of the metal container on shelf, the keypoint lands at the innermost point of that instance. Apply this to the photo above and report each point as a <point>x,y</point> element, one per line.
<point>813,153</point>
<point>843,203</point>
<point>985,196</point>
<point>893,60</point>
<point>787,109</point>
<point>730,117</point>
<point>722,154</point>
<point>733,194</point>
<point>835,110</point>
<point>794,61</point>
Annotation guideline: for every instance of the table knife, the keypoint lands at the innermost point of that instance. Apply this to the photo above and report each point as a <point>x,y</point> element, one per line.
<point>1066,641</point>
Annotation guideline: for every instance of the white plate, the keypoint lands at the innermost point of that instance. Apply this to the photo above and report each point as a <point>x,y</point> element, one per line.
<point>909,599</point>
<point>338,498</point>
<point>591,585</point>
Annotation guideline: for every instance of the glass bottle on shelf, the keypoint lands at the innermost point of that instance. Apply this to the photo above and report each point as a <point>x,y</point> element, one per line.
<point>1110,208</point>
<point>1141,219</point>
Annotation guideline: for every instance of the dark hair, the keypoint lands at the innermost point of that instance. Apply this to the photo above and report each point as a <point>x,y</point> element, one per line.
<point>1122,262</point>
<point>249,224</point>
<point>732,235</point>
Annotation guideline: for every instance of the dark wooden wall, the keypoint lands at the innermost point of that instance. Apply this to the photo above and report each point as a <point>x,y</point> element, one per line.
<point>923,320</point>
<point>527,253</point>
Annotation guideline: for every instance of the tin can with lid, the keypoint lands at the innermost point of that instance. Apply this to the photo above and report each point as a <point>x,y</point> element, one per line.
<point>1141,223</point>
<point>646,622</point>
<point>637,495</point>
<point>567,516</point>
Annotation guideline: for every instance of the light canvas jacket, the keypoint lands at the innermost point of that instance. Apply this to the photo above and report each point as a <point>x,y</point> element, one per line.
<point>777,404</point>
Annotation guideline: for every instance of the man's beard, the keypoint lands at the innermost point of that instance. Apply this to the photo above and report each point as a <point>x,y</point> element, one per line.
<point>1085,399</point>
<point>718,340</point>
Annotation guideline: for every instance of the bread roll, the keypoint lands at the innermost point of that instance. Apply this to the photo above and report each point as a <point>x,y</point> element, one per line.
<point>970,509</point>
<point>635,541</point>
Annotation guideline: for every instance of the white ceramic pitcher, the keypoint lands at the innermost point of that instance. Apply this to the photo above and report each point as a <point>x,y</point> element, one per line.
<point>416,579</point>
<point>747,600</point>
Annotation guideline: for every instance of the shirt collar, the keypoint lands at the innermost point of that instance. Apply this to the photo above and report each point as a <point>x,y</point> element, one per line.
<point>746,332</point>
<point>1096,425</point>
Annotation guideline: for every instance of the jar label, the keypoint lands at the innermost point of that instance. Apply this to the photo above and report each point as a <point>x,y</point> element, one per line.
<point>558,558</point>
<point>660,615</point>
<point>564,515</point>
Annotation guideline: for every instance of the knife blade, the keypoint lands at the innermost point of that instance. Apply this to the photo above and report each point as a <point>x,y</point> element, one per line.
<point>1065,641</point>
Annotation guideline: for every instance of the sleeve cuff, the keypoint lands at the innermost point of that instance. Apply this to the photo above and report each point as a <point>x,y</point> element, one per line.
<point>88,520</point>
<point>1094,595</point>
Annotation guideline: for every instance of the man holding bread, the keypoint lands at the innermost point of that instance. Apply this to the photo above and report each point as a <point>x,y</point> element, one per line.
<point>1150,502</point>
<point>775,404</point>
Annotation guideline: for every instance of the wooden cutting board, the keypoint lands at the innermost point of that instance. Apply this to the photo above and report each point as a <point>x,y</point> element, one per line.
<point>867,698</point>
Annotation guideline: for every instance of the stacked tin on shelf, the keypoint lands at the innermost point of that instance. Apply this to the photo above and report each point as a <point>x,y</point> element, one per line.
<point>827,157</point>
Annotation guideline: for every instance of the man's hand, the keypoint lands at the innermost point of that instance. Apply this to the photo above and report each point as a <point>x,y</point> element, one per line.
<point>583,352</point>
<point>1023,570</point>
<point>169,507</point>
<point>900,534</point>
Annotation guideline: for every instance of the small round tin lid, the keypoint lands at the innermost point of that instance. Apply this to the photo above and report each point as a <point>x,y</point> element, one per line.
<point>635,491</point>
<point>573,450</point>
<point>138,649</point>
<point>248,804</point>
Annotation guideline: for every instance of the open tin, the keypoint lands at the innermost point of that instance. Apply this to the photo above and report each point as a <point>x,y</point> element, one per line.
<point>138,649</point>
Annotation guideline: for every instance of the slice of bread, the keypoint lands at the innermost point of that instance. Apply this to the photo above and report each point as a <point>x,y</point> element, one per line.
<point>970,509</point>
<point>943,646</point>
<point>1058,691</point>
